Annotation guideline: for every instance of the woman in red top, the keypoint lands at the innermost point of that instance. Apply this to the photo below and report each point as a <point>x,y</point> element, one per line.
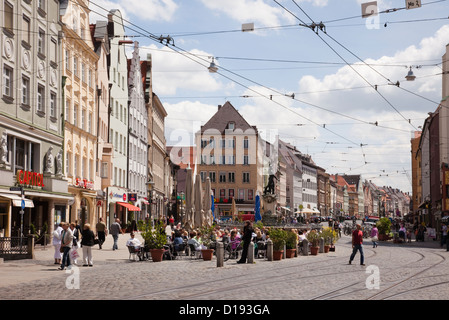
<point>357,244</point>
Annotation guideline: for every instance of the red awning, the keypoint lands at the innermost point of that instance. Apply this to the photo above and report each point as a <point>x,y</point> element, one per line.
<point>130,207</point>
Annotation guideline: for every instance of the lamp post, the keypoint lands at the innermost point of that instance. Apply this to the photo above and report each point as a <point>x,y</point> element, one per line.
<point>150,185</point>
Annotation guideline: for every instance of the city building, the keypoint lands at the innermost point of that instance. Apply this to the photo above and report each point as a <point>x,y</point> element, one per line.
<point>31,119</point>
<point>80,98</point>
<point>137,138</point>
<point>117,192</point>
<point>227,153</point>
<point>105,150</point>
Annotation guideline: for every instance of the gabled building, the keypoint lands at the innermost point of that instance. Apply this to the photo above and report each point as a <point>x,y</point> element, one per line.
<point>227,153</point>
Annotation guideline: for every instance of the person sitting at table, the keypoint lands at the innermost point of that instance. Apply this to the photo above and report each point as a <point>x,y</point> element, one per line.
<point>134,242</point>
<point>235,239</point>
<point>178,241</point>
<point>194,241</point>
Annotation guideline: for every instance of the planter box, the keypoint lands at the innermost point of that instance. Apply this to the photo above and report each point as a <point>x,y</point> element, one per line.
<point>290,253</point>
<point>277,255</point>
<point>314,251</point>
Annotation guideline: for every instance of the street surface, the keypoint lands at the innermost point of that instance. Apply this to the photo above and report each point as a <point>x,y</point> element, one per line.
<point>410,271</point>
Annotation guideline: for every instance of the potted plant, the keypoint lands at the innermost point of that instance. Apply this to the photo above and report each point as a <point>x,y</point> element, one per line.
<point>278,236</point>
<point>329,235</point>
<point>313,237</point>
<point>291,243</point>
<point>155,240</point>
<point>384,227</point>
<point>207,238</point>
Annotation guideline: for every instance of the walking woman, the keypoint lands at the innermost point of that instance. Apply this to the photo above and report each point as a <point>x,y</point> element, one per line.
<point>374,236</point>
<point>87,243</point>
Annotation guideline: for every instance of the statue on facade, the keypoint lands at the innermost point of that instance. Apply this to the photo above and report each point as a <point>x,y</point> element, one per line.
<point>59,163</point>
<point>3,149</point>
<point>49,161</point>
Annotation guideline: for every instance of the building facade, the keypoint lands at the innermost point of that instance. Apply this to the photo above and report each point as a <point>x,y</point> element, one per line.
<point>138,137</point>
<point>31,121</point>
<point>80,62</point>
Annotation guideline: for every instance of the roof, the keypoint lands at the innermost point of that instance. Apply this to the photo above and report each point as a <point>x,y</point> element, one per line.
<point>227,114</point>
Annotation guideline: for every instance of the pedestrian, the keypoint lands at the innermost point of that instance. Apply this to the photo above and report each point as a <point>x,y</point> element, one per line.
<point>115,230</point>
<point>66,246</point>
<point>247,236</point>
<point>100,227</point>
<point>374,236</point>
<point>76,238</point>
<point>87,242</point>
<point>357,244</point>
<point>57,243</point>
<point>443,235</point>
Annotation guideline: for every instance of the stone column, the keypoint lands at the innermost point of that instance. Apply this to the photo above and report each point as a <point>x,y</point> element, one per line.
<point>305,247</point>
<point>251,253</point>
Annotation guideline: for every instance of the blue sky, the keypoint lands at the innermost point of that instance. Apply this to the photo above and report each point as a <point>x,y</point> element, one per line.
<point>335,103</point>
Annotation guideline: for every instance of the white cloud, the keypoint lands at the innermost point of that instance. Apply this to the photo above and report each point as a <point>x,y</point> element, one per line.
<point>316,3</point>
<point>174,71</point>
<point>245,11</point>
<point>153,10</point>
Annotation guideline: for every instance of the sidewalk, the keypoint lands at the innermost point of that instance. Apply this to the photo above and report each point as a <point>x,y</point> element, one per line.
<point>26,270</point>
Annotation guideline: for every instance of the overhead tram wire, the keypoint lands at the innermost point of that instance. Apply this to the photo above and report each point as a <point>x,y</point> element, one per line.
<point>341,57</point>
<point>187,54</point>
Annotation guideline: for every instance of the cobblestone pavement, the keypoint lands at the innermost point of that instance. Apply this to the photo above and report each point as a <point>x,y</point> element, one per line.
<point>405,272</point>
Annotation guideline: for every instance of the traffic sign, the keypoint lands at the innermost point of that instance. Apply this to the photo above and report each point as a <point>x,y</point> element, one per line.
<point>22,204</point>
<point>412,4</point>
<point>15,189</point>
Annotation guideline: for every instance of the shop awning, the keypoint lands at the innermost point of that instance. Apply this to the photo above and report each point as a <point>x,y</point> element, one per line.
<point>17,200</point>
<point>129,206</point>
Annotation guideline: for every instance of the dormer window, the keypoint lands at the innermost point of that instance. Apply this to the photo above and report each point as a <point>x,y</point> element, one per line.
<point>231,125</point>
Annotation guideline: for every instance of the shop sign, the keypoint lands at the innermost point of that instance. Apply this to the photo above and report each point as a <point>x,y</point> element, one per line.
<point>30,178</point>
<point>132,196</point>
<point>83,183</point>
<point>117,195</point>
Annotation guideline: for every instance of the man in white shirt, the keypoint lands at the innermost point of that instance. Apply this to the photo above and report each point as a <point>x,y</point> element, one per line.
<point>133,241</point>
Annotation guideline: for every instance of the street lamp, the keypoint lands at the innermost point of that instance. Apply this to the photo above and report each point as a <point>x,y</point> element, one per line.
<point>150,185</point>
<point>213,67</point>
<point>410,76</point>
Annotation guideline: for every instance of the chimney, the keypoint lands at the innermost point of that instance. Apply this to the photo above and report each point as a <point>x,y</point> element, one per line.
<point>219,106</point>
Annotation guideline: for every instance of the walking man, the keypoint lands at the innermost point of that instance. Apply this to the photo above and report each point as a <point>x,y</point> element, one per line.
<point>357,244</point>
<point>101,232</point>
<point>115,231</point>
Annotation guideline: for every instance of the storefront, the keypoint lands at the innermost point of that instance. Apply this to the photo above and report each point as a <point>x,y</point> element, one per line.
<point>83,208</point>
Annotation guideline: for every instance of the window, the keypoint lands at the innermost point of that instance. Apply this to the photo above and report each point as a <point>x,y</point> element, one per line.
<point>241,194</point>
<point>246,177</point>
<point>212,176</point>
<point>212,159</point>
<point>89,123</point>
<point>83,72</point>
<point>250,195</point>
<point>231,160</point>
<point>75,115</point>
<point>53,50</point>
<point>231,193</point>
<point>222,193</point>
<point>67,110</point>
<point>41,42</point>
<point>20,154</point>
<point>90,78</point>
<point>68,164</point>
<point>246,143</point>
<point>231,176</point>
<point>7,81</point>
<point>75,66</point>
<point>8,16</point>
<point>41,4</point>
<point>222,177</point>
<point>222,159</point>
<point>26,29</point>
<point>246,160</point>
<point>25,91</point>
<point>67,59</point>
<point>53,105</point>
<point>83,119</point>
<point>40,98</point>
<point>203,175</point>
<point>105,170</point>
<point>231,125</point>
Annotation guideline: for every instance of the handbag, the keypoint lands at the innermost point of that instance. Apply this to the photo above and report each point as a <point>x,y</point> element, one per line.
<point>374,239</point>
<point>61,249</point>
<point>96,241</point>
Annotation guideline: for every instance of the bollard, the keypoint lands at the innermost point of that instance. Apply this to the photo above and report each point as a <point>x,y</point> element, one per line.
<point>284,254</point>
<point>321,245</point>
<point>305,247</point>
<point>297,250</point>
<point>269,252</point>
<point>220,254</point>
<point>250,256</point>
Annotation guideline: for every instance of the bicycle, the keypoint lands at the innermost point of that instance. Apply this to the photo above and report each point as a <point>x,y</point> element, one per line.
<point>229,252</point>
